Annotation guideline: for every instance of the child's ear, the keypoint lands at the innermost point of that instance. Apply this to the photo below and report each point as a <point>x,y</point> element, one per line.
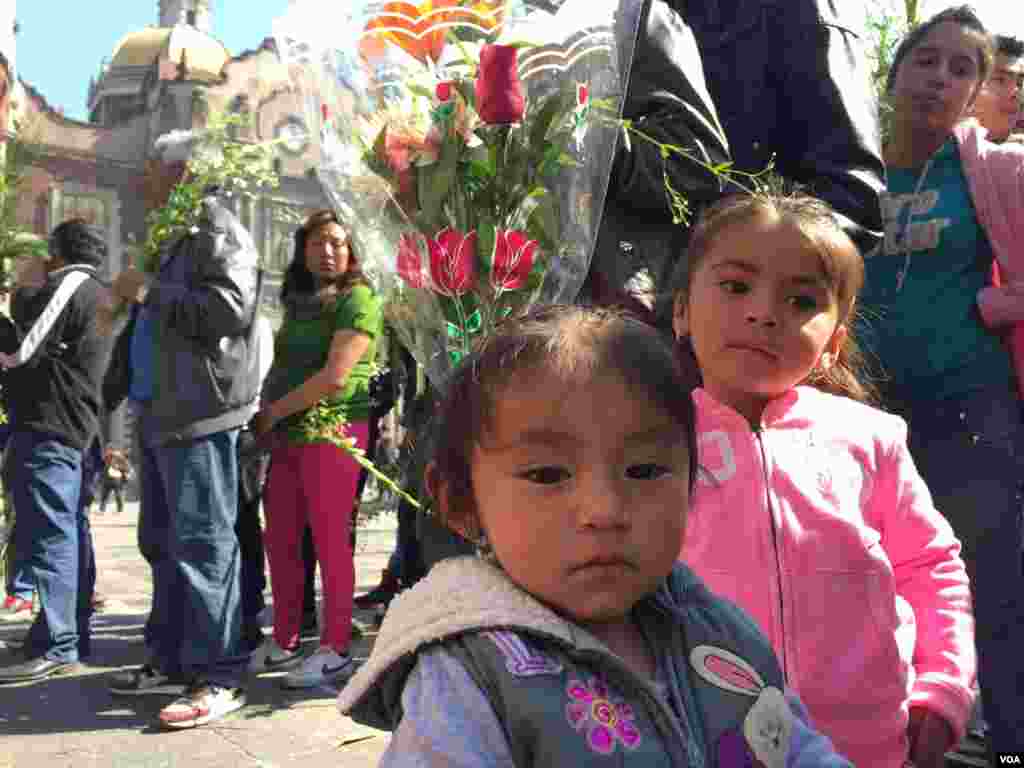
<point>680,322</point>
<point>438,492</point>
<point>969,108</point>
<point>830,354</point>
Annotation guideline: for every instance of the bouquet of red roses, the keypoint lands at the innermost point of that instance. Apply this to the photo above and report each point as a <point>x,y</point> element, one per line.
<point>470,144</point>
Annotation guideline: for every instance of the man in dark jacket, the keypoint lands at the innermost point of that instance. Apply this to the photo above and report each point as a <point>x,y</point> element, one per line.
<point>740,82</point>
<point>187,361</point>
<point>53,389</point>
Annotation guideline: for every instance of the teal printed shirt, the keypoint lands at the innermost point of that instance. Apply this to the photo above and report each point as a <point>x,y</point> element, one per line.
<point>927,335</point>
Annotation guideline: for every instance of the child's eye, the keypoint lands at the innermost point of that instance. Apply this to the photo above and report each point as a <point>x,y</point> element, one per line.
<point>647,471</point>
<point>803,303</point>
<point>734,286</point>
<point>546,475</point>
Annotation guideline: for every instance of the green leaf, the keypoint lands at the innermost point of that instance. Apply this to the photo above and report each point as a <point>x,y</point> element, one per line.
<point>486,234</point>
<point>520,44</point>
<point>540,209</point>
<point>567,161</point>
<point>435,182</point>
<point>419,90</point>
<point>467,90</point>
<point>543,118</point>
<point>610,106</point>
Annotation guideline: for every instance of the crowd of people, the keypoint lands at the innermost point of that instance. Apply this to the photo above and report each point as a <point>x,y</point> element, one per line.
<point>793,537</point>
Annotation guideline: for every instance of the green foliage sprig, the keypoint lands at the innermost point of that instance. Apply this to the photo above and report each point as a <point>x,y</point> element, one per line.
<point>220,160</point>
<point>679,205</point>
<point>323,424</point>
<point>16,242</point>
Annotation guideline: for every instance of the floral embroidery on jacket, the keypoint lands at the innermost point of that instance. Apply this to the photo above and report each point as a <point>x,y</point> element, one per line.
<point>605,717</point>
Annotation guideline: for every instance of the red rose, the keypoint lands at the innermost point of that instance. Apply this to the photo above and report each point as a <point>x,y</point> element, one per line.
<point>582,94</point>
<point>444,91</point>
<point>452,261</point>
<point>513,260</point>
<point>410,262</point>
<point>499,94</point>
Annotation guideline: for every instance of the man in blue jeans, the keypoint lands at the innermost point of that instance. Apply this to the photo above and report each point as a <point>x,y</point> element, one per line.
<point>187,361</point>
<point>53,388</point>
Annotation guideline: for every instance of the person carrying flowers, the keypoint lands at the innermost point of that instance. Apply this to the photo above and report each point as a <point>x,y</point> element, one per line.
<point>323,359</point>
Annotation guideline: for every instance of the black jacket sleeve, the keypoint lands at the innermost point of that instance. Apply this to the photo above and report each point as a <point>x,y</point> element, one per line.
<point>667,100</point>
<point>827,130</point>
<point>117,378</point>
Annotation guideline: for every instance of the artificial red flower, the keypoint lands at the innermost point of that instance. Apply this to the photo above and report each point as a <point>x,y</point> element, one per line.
<point>513,259</point>
<point>499,93</point>
<point>410,261</point>
<point>444,91</point>
<point>452,261</point>
<point>582,94</point>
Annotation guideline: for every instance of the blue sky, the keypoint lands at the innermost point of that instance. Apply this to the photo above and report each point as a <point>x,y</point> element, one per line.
<point>62,42</point>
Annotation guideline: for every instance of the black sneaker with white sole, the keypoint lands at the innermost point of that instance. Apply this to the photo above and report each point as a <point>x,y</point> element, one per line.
<point>147,680</point>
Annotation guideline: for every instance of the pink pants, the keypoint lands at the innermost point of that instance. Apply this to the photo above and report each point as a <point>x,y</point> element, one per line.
<point>314,484</point>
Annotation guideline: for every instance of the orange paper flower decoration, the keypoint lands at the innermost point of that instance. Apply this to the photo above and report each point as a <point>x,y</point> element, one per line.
<point>420,30</point>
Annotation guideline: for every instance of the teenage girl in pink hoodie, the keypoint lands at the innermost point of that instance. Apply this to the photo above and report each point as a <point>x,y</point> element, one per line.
<point>809,512</point>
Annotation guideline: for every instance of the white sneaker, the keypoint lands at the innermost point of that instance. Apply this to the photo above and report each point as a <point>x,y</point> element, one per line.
<point>324,666</point>
<point>201,704</point>
<point>271,657</point>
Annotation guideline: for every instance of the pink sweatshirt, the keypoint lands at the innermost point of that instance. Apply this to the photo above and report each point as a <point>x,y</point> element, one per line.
<point>995,176</point>
<point>821,528</point>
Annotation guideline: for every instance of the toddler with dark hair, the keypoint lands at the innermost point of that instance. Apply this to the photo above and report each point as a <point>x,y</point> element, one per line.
<point>565,449</point>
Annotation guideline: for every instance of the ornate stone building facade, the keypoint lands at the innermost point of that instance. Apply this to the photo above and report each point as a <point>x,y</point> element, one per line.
<point>167,76</point>
<point>164,77</point>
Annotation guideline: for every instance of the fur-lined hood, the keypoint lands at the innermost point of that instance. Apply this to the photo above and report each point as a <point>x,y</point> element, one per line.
<point>468,594</point>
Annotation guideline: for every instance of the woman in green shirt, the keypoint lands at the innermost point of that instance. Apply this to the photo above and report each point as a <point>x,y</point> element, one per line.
<point>324,352</point>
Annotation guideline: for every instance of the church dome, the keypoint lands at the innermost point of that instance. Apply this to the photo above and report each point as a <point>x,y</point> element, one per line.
<point>140,49</point>
<point>204,56</point>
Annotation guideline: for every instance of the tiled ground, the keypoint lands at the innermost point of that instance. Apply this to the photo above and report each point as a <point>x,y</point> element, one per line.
<point>73,721</point>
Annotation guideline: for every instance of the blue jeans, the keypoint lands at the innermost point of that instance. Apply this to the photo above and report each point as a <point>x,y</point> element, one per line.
<point>189,508</point>
<point>45,478</point>
<point>970,452</point>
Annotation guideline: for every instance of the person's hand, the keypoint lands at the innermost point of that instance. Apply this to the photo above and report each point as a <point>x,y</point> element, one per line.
<point>262,422</point>
<point>131,286</point>
<point>930,738</point>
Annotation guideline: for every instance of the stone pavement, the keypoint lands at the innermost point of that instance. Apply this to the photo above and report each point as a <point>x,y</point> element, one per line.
<point>74,721</point>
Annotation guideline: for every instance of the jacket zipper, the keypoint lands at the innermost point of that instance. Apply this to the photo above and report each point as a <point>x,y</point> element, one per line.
<point>759,436</point>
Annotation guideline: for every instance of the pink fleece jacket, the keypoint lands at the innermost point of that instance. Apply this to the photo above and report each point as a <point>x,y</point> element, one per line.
<point>995,176</point>
<point>819,525</point>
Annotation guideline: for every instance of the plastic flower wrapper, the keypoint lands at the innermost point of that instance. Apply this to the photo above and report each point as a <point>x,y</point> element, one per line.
<point>470,143</point>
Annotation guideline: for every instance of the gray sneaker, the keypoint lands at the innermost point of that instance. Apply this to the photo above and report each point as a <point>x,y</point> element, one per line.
<point>271,657</point>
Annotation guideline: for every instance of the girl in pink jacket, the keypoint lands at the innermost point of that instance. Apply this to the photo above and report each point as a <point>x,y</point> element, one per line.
<point>809,512</point>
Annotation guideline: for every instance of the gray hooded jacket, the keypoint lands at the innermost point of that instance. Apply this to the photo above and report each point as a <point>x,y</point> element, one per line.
<point>468,667</point>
